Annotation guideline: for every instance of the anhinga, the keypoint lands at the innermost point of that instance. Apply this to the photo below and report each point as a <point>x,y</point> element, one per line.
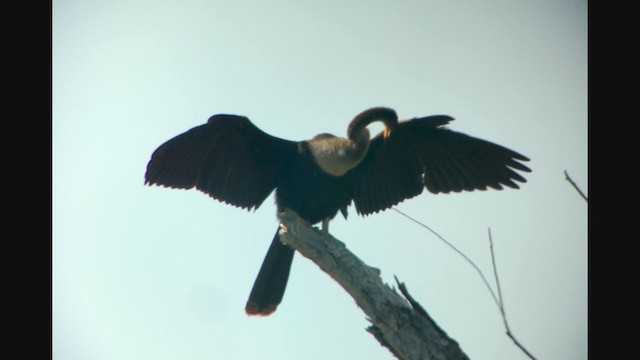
<point>233,161</point>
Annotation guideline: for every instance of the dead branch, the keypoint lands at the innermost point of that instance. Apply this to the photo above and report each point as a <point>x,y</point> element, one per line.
<point>502,310</point>
<point>406,330</point>
<point>568,178</point>
<point>497,299</point>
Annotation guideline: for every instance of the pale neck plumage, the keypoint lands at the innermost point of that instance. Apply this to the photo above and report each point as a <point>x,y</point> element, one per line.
<point>335,155</point>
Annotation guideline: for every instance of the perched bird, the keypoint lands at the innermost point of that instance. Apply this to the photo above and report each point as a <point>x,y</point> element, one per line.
<point>233,161</point>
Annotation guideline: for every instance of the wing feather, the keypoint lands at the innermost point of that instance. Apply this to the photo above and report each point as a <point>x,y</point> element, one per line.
<point>421,153</point>
<point>389,173</point>
<point>229,158</point>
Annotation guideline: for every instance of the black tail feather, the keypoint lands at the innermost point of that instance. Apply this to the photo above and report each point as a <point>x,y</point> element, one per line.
<point>269,287</point>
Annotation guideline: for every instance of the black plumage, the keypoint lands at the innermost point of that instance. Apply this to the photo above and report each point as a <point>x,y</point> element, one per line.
<point>233,161</point>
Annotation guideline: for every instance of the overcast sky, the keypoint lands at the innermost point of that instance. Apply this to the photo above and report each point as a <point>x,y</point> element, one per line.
<point>153,273</point>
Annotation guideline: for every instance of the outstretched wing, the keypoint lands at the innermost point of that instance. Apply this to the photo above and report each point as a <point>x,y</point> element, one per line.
<point>420,153</point>
<point>228,158</point>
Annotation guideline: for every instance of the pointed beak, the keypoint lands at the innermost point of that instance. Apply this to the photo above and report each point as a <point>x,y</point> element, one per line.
<point>386,133</point>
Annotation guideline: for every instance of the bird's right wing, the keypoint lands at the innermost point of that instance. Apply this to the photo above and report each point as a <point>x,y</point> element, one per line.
<point>228,158</point>
<point>420,154</point>
<point>458,162</point>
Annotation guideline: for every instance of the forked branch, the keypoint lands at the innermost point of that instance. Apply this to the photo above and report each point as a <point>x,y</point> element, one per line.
<point>497,299</point>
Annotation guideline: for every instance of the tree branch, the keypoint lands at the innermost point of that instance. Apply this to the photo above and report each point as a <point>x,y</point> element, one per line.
<point>502,310</point>
<point>570,180</point>
<point>497,299</point>
<point>401,325</point>
<point>484,278</point>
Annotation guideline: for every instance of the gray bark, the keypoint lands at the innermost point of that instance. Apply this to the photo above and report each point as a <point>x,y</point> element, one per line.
<point>398,323</point>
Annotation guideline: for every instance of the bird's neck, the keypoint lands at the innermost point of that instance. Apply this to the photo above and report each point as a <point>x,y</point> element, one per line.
<point>335,155</point>
<point>360,143</point>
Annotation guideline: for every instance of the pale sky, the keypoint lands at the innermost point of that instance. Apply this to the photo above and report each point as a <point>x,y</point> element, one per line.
<point>153,273</point>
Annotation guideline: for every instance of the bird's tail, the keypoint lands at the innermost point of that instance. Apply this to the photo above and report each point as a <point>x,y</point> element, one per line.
<point>269,287</point>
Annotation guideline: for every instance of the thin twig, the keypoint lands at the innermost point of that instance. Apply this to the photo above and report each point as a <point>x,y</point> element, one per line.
<point>498,300</point>
<point>495,274</point>
<point>502,310</point>
<point>495,299</point>
<point>568,178</point>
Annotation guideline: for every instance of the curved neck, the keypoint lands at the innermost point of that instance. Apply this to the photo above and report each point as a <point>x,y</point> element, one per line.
<point>385,115</point>
<point>359,143</point>
<point>336,156</point>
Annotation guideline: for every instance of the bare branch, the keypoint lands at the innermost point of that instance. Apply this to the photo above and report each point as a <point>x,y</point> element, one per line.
<point>416,305</point>
<point>568,178</point>
<point>495,274</point>
<point>406,331</point>
<point>504,313</point>
<point>484,279</point>
<point>497,299</point>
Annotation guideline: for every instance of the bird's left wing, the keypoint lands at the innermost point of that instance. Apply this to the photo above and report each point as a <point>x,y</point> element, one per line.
<point>228,158</point>
<point>420,153</point>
